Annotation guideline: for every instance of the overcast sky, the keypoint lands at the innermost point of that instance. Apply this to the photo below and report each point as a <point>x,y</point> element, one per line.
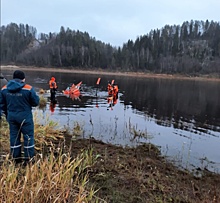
<point>111,21</point>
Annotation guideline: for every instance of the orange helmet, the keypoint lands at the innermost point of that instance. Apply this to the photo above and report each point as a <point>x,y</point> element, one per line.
<point>52,78</point>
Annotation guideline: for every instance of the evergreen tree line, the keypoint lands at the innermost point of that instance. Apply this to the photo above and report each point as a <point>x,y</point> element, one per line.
<point>192,48</point>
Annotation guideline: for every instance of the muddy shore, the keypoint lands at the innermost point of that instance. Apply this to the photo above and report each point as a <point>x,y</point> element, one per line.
<point>141,174</point>
<point>102,72</point>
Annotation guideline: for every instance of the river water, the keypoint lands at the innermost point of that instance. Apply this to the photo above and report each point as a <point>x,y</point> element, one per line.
<point>181,117</point>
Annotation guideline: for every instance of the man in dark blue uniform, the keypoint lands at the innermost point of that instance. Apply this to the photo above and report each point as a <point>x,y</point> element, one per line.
<point>17,99</point>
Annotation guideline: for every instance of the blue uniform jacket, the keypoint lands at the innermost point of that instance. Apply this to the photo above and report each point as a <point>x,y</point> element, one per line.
<point>18,97</point>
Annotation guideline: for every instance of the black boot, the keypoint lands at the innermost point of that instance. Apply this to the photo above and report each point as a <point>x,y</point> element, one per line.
<point>17,161</point>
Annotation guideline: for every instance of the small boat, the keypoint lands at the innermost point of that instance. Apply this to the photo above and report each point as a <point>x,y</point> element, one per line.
<point>66,91</point>
<point>73,91</point>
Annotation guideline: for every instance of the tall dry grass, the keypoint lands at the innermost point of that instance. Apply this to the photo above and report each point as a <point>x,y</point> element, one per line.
<point>52,177</point>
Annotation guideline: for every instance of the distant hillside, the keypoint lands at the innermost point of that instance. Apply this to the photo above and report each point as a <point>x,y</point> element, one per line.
<point>192,48</point>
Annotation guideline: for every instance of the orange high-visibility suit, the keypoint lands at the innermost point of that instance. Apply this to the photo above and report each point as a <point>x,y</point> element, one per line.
<point>53,88</point>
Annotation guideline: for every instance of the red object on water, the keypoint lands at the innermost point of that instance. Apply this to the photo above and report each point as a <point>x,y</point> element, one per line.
<point>98,81</point>
<point>52,107</point>
<point>73,92</point>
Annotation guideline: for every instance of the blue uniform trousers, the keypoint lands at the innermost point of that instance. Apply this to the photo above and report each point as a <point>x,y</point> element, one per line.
<point>26,128</point>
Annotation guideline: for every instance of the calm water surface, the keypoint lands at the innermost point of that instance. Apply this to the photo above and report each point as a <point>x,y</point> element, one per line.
<point>182,117</point>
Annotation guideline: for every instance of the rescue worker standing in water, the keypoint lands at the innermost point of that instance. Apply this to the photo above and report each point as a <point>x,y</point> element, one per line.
<point>17,99</point>
<point>53,89</point>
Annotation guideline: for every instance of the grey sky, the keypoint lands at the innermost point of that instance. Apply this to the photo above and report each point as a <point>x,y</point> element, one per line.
<point>112,21</point>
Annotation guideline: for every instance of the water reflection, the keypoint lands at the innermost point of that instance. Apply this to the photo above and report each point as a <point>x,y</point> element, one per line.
<point>180,116</point>
<point>53,106</point>
<point>177,103</point>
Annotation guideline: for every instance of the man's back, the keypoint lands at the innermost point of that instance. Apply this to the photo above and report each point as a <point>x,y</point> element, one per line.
<point>18,97</point>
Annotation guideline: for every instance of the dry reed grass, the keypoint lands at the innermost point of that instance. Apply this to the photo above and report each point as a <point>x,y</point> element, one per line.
<point>52,177</point>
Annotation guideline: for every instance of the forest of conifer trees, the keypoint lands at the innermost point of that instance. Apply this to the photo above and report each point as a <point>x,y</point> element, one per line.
<point>192,48</point>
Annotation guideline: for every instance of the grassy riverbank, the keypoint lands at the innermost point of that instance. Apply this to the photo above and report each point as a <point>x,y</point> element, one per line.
<point>80,170</point>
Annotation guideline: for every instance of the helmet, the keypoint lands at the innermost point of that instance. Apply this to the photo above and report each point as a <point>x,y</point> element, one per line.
<point>52,78</point>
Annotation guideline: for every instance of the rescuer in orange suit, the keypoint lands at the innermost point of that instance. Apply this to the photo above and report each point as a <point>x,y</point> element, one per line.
<point>115,90</point>
<point>110,89</point>
<point>53,89</point>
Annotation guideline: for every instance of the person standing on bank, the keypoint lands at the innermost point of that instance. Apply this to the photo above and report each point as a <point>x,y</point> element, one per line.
<point>53,89</point>
<point>17,99</point>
